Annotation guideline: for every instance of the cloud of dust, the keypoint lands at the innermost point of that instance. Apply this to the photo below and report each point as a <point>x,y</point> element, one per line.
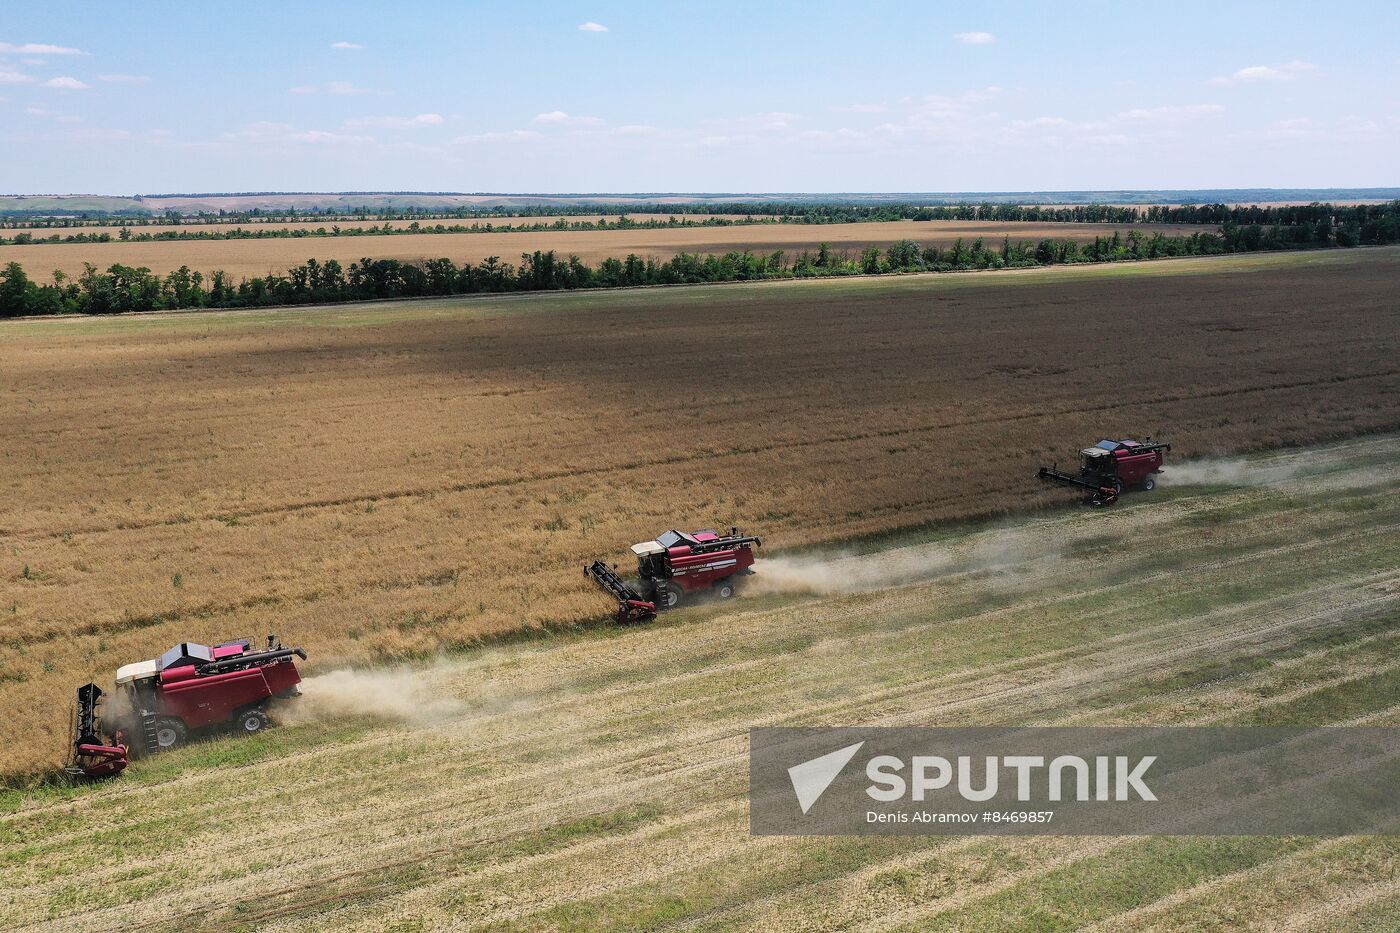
<point>404,694</point>
<point>1233,472</point>
<point>847,573</point>
<point>840,573</point>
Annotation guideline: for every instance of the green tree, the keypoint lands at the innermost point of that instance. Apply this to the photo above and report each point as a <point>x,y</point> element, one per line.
<point>16,291</point>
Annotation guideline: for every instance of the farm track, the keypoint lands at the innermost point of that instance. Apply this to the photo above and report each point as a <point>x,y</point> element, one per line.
<point>599,780</point>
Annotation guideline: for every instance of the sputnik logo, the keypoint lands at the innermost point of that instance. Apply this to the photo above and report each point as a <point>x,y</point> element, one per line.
<point>811,778</point>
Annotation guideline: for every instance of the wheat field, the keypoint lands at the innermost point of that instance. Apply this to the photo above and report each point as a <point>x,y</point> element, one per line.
<point>385,481</point>
<point>245,258</point>
<point>598,780</point>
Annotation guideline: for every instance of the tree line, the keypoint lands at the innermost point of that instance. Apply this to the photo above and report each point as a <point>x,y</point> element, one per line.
<point>260,232</point>
<point>739,212</point>
<point>124,288</point>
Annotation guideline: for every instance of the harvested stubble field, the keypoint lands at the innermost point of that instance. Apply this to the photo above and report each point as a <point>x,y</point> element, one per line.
<point>244,258</point>
<point>385,480</point>
<point>598,780</point>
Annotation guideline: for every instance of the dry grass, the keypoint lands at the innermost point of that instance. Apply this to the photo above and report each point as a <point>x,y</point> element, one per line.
<point>385,480</point>
<point>243,258</point>
<point>598,781</point>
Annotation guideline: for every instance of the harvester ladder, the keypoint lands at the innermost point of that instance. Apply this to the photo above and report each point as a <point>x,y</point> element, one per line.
<point>148,734</point>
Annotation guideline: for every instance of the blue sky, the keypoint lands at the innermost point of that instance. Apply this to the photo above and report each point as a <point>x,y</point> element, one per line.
<point>611,96</point>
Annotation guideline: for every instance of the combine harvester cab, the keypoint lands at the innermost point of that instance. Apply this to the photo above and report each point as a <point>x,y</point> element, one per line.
<point>1110,467</point>
<point>675,568</point>
<point>159,703</point>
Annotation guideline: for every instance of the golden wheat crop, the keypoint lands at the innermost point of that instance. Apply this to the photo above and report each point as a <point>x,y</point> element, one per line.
<point>244,258</point>
<point>386,480</point>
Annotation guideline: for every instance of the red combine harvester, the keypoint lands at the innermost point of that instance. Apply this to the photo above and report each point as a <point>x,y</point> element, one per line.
<point>159,704</point>
<point>1109,467</point>
<point>676,567</point>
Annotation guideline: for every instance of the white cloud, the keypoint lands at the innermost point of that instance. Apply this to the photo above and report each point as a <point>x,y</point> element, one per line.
<point>511,137</point>
<point>591,26</point>
<point>1290,128</point>
<point>66,82</point>
<point>560,118</point>
<point>1285,72</point>
<point>860,108</point>
<point>346,45</point>
<point>321,136</point>
<point>51,114</point>
<point>1187,112</point>
<point>422,119</point>
<point>265,131</point>
<point>975,38</point>
<point>1043,121</point>
<point>38,48</point>
<point>124,79</point>
<point>14,77</point>
<point>330,87</point>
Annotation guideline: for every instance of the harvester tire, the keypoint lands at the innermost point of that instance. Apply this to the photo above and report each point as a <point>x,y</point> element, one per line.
<point>1149,484</point>
<point>170,733</point>
<point>669,595</point>
<point>724,589</point>
<point>252,722</point>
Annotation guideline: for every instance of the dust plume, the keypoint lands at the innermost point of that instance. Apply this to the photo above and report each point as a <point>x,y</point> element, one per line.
<point>849,573</point>
<point>840,573</point>
<point>405,694</point>
<point>1232,472</point>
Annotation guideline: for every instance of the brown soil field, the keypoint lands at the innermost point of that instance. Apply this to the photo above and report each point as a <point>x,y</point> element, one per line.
<point>193,227</point>
<point>245,258</point>
<point>386,480</point>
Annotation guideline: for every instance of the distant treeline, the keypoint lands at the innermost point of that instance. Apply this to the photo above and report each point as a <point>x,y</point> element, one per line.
<point>123,288</point>
<point>267,231</point>
<point>263,225</point>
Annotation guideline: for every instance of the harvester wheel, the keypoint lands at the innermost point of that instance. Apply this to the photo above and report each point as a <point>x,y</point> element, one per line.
<point>170,733</point>
<point>669,595</point>
<point>724,589</point>
<point>252,722</point>
<point>1149,484</point>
